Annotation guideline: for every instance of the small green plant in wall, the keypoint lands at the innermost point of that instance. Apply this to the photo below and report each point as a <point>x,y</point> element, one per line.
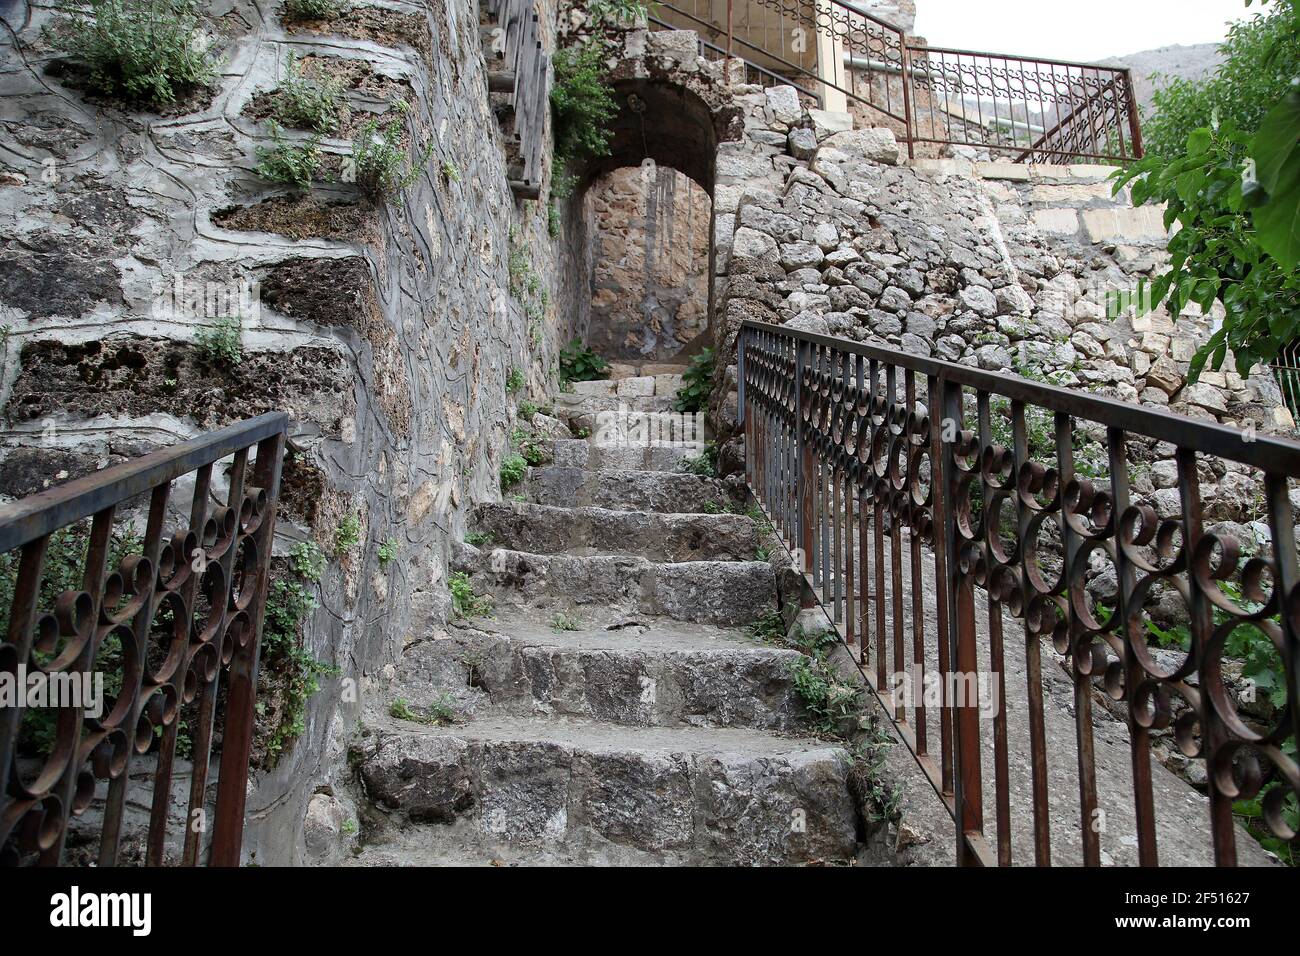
<point>313,9</point>
<point>144,51</point>
<point>307,560</point>
<point>290,674</point>
<point>221,343</point>
<point>283,162</point>
<point>513,469</point>
<point>514,381</point>
<point>315,102</point>
<point>387,551</point>
<point>378,162</point>
<point>347,534</point>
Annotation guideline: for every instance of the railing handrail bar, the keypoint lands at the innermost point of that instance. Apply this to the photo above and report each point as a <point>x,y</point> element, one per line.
<point>1019,58</point>
<point>855,11</point>
<point>883,24</point>
<point>38,515</point>
<point>1278,455</point>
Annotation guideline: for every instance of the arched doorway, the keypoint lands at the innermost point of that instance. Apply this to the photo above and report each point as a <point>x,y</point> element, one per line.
<point>649,210</point>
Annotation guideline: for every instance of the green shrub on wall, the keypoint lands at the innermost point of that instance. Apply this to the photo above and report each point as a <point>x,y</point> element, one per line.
<point>144,51</point>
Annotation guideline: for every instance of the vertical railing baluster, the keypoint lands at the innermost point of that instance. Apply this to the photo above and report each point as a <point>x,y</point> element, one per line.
<point>228,823</point>
<point>912,449</point>
<point>1088,821</point>
<point>1213,735</point>
<point>101,534</point>
<point>1139,738</point>
<point>22,624</point>
<point>1033,656</point>
<point>990,525</point>
<point>969,794</point>
<point>896,541</point>
<point>942,536</point>
<point>162,787</point>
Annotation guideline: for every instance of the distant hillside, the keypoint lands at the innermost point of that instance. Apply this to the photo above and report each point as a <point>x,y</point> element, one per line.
<point>1186,62</point>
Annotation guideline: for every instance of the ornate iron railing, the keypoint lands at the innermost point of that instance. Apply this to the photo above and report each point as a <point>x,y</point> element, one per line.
<point>166,603</point>
<point>912,490</point>
<point>524,73</point>
<point>1026,109</point>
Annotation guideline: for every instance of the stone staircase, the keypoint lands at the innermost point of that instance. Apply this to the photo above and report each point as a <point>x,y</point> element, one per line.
<point>612,708</point>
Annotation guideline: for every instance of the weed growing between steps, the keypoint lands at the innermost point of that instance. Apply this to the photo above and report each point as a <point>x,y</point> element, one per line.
<point>705,464</point>
<point>513,469</point>
<point>566,622</point>
<point>465,603</point>
<point>697,383</point>
<point>580,364</point>
<point>531,446</point>
<point>438,713</point>
<point>835,709</point>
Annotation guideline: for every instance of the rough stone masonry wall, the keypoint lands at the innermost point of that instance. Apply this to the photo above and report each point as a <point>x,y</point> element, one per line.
<point>650,288</point>
<point>387,332</point>
<point>1000,266</point>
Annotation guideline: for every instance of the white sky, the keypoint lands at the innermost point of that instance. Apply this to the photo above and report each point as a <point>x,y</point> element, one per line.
<point>1083,30</point>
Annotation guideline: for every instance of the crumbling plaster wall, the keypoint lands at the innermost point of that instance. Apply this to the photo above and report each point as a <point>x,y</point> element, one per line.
<point>387,332</point>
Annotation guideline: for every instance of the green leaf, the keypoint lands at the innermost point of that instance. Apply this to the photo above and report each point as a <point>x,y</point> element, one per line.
<point>1199,142</point>
<point>1277,158</point>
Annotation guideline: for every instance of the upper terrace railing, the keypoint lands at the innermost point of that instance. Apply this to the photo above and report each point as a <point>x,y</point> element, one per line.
<point>1023,108</point>
<point>102,575</point>
<point>910,487</point>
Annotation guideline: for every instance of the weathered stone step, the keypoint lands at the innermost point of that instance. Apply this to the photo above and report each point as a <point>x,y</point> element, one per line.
<point>688,795</point>
<point>634,671</point>
<point>571,405</point>
<point>549,529</point>
<point>621,370</point>
<point>664,385</point>
<point>595,456</point>
<point>710,592</point>
<point>676,493</point>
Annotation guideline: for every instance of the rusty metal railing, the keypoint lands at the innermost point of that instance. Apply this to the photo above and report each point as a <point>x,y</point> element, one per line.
<point>914,490</point>
<point>102,576</point>
<point>1023,108</point>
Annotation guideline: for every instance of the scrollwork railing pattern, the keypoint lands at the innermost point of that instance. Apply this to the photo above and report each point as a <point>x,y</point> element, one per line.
<point>912,491</point>
<point>169,615</point>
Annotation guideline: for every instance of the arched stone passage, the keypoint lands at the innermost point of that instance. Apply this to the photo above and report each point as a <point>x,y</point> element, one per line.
<point>652,223</point>
<point>663,122</point>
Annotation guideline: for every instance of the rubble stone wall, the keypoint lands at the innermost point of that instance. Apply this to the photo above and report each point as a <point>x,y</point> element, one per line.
<point>650,288</point>
<point>1001,266</point>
